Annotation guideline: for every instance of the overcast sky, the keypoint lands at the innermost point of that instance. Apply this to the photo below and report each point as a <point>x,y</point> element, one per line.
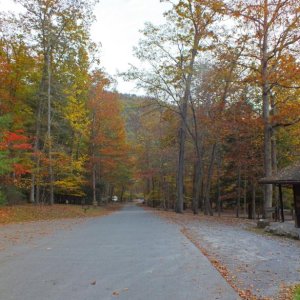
<point>117,28</point>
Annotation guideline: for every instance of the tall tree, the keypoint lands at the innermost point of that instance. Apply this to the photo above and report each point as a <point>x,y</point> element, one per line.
<point>171,51</point>
<point>272,29</point>
<point>53,28</point>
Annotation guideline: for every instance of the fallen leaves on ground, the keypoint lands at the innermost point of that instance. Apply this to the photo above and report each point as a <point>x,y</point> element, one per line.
<point>24,224</point>
<point>230,278</point>
<point>289,292</point>
<point>184,219</point>
<point>225,218</point>
<point>27,213</point>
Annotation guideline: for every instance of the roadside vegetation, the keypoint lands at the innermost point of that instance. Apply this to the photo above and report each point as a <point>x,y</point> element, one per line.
<point>296,293</point>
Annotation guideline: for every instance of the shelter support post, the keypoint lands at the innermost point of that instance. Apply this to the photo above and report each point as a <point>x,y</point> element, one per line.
<point>281,202</point>
<point>296,188</point>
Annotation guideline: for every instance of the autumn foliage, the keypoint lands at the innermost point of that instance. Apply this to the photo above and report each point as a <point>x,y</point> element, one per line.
<point>57,120</point>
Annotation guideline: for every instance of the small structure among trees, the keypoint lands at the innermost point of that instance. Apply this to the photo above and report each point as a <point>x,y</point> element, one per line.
<point>289,176</point>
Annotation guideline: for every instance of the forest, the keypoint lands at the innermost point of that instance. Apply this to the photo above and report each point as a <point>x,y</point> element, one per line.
<point>221,83</point>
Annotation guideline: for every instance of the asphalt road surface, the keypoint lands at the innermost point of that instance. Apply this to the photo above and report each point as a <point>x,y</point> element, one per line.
<point>131,254</point>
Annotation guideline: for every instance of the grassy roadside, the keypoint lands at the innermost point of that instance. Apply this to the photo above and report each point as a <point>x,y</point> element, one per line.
<point>296,293</point>
<point>28,213</point>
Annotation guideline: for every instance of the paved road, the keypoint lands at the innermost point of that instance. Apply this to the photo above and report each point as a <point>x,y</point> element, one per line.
<point>131,254</point>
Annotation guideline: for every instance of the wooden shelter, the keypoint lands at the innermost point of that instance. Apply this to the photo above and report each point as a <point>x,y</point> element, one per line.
<point>289,176</point>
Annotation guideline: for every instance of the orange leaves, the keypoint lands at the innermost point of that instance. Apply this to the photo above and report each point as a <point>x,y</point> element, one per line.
<point>109,148</point>
<point>19,169</point>
<point>14,144</point>
<point>16,141</point>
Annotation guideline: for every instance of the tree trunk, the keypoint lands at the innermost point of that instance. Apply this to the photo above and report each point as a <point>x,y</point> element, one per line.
<point>274,156</point>
<point>201,197</point>
<point>95,203</point>
<point>181,164</point>
<point>183,126</point>
<point>245,197</point>
<point>219,185</point>
<point>197,185</point>
<point>268,188</point>
<point>167,195</point>
<point>51,179</point>
<point>122,193</point>
<point>207,204</point>
<point>34,192</point>
<point>253,201</point>
<point>238,202</point>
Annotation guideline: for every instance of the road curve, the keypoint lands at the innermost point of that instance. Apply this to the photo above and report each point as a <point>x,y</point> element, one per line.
<point>131,254</point>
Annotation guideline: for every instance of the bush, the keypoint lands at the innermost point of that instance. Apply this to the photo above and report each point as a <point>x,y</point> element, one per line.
<point>10,195</point>
<point>14,195</point>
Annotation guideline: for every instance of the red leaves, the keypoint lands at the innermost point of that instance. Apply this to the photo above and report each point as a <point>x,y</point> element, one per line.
<point>22,147</point>
<point>15,141</point>
<point>19,169</point>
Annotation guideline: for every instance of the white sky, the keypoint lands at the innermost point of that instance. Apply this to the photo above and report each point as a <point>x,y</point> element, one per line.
<point>117,28</point>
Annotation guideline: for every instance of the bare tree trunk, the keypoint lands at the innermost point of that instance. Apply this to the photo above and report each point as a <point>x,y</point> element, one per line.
<point>268,188</point>
<point>201,197</point>
<point>107,193</point>
<point>35,190</point>
<point>275,170</point>
<point>245,197</point>
<point>32,189</point>
<point>274,156</point>
<point>95,203</point>
<point>181,164</point>
<point>219,184</point>
<point>94,164</point>
<point>51,179</point>
<point>122,193</point>
<point>207,204</point>
<point>183,126</point>
<point>197,186</point>
<point>253,201</point>
<point>167,195</point>
<point>238,202</point>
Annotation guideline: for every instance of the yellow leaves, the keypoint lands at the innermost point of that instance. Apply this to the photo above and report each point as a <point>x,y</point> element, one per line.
<point>69,173</point>
<point>70,186</point>
<point>77,113</point>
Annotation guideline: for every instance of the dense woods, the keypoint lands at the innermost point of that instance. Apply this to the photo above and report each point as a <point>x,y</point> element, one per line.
<point>224,76</point>
<point>62,132</point>
<point>221,108</point>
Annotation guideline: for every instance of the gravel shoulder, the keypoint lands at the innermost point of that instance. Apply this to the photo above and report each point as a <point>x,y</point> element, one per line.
<point>252,262</point>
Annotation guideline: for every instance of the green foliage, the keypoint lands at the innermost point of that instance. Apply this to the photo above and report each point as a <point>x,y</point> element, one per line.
<point>3,200</point>
<point>5,121</point>
<point>13,195</point>
<point>5,163</point>
<point>296,295</point>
